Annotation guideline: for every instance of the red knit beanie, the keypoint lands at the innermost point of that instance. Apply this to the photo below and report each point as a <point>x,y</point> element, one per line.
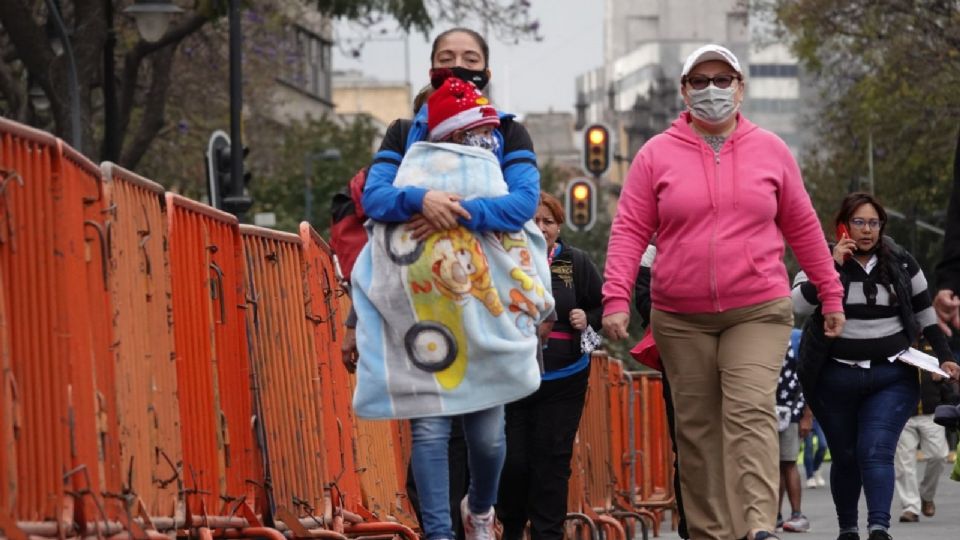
<point>457,105</point>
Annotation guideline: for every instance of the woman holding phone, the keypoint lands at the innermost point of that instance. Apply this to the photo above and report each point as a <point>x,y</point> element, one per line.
<point>861,397</point>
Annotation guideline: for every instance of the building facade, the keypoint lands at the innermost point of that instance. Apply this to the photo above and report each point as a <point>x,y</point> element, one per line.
<point>636,91</point>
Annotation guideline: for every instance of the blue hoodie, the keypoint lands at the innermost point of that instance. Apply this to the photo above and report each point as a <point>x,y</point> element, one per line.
<point>384,202</point>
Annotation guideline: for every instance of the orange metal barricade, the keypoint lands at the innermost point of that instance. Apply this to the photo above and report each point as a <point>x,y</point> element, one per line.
<point>86,231</point>
<point>148,409</point>
<point>287,389</point>
<point>8,417</point>
<point>653,480</point>
<point>50,381</point>
<point>323,312</point>
<point>362,461</point>
<point>211,350</point>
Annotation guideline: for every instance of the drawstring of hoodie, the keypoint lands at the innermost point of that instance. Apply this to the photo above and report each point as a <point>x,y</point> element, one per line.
<point>736,184</point>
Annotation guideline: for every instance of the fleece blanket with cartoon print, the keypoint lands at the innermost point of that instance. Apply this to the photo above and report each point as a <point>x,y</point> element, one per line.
<point>447,325</point>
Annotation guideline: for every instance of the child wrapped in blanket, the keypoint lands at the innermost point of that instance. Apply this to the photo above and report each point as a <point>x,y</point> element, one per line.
<point>447,320</point>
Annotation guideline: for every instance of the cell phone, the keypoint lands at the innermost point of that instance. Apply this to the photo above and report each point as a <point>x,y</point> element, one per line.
<point>843,232</point>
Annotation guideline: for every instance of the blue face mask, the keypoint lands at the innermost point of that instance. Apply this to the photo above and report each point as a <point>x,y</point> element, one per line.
<point>487,142</point>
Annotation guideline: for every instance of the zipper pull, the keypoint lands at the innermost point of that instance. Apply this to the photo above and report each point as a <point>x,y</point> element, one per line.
<point>716,157</point>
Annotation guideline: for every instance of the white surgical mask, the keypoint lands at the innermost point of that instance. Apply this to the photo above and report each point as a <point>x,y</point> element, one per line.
<point>713,105</point>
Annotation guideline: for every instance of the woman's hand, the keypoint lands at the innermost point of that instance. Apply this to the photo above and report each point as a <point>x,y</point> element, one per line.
<point>578,319</point>
<point>441,209</point>
<point>615,325</point>
<point>844,249</point>
<point>348,350</point>
<point>952,369</point>
<point>833,323</point>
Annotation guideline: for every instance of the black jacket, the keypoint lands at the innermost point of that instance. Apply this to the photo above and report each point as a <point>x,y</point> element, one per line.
<point>948,271</point>
<point>933,393</point>
<point>576,284</point>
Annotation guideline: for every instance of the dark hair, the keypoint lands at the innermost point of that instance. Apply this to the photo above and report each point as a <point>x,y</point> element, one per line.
<point>472,33</point>
<point>553,205</point>
<point>421,98</point>
<point>848,206</point>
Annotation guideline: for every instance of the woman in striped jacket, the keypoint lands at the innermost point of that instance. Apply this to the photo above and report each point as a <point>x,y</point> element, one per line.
<point>862,397</point>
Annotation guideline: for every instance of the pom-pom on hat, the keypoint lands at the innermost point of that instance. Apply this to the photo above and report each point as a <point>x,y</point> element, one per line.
<point>457,105</point>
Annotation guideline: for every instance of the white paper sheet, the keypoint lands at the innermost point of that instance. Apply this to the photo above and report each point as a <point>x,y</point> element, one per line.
<point>921,360</point>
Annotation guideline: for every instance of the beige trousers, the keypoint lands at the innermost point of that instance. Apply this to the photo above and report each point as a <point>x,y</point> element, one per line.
<point>723,370</point>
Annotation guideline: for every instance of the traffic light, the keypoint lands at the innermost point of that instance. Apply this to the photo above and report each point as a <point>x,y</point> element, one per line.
<point>581,204</point>
<point>596,149</point>
<point>223,193</point>
<point>218,167</point>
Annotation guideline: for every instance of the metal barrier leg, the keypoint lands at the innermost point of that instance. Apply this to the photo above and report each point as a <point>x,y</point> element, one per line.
<point>583,518</point>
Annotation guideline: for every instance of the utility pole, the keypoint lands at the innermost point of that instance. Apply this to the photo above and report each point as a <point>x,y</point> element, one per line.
<point>236,201</point>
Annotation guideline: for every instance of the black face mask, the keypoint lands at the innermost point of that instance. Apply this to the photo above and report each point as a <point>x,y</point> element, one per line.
<point>478,77</point>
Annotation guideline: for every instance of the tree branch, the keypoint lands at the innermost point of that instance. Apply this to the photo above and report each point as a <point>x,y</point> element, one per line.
<point>133,60</point>
<point>14,93</point>
<point>33,49</point>
<point>153,114</point>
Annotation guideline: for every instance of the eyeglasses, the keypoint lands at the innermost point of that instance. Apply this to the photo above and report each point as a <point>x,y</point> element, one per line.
<point>699,82</point>
<point>861,223</point>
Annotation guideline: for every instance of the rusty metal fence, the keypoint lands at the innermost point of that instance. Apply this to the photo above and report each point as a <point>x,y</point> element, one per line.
<point>166,372</point>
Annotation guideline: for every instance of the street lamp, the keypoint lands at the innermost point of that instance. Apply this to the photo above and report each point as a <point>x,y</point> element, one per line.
<point>153,17</point>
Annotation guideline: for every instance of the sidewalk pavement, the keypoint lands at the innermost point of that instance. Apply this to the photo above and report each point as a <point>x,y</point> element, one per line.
<point>818,507</point>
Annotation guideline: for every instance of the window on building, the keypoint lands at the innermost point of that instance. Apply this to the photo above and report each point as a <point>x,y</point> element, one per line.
<point>308,64</point>
<point>774,70</point>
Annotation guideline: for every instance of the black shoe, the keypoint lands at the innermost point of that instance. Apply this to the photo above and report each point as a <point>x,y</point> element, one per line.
<point>878,534</point>
<point>849,536</point>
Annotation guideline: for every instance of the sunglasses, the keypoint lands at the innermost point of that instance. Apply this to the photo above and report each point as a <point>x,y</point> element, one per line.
<point>699,82</point>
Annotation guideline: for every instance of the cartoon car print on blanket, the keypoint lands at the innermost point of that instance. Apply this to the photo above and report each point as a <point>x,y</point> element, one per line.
<point>446,271</point>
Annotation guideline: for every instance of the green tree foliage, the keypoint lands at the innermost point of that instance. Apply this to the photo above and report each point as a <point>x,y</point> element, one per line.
<point>888,73</point>
<point>282,181</point>
<point>507,19</point>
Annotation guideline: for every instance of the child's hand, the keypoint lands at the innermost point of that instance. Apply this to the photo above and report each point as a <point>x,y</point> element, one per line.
<point>420,228</point>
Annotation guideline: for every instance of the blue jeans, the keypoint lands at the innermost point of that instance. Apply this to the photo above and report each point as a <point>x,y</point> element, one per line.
<point>863,412</point>
<point>812,460</point>
<point>486,449</point>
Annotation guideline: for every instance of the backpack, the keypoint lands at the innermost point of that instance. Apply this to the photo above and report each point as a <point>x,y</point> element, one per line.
<point>347,235</point>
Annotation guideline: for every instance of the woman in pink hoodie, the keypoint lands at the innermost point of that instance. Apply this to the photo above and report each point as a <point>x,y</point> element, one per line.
<point>722,195</point>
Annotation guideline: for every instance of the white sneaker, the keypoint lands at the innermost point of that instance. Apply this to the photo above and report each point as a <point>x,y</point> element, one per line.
<point>812,482</point>
<point>477,526</point>
<point>819,478</point>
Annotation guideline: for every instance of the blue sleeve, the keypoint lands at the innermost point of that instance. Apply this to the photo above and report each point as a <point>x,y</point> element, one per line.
<point>381,200</point>
<point>511,211</point>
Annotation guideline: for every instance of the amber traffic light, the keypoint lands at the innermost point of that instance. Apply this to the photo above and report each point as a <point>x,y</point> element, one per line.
<point>596,149</point>
<point>581,204</point>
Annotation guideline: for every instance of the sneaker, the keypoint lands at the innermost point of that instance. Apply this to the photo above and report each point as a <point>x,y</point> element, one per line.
<point>849,536</point>
<point>928,508</point>
<point>779,521</point>
<point>909,517</point>
<point>819,478</point>
<point>797,523</point>
<point>812,483</point>
<point>477,526</point>
<point>879,534</point>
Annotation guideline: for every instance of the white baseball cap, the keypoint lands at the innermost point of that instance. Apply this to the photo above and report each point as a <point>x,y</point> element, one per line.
<point>710,52</point>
